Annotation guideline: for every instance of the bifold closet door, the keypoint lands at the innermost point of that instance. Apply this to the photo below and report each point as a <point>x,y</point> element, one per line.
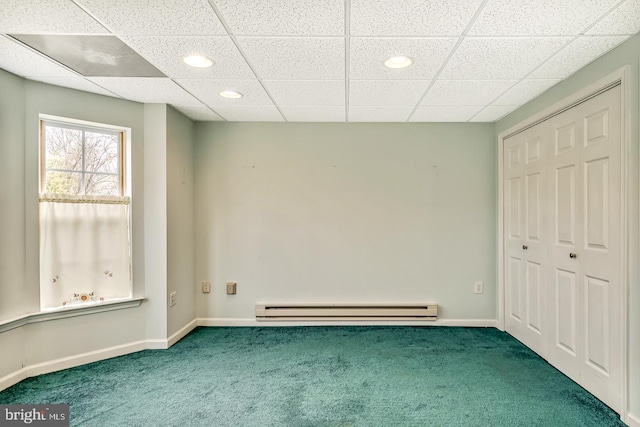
<point>586,300</point>
<point>527,236</point>
<point>562,235</point>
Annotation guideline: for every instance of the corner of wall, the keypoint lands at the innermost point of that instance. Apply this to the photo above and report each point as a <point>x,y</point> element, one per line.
<point>155,219</point>
<point>180,219</point>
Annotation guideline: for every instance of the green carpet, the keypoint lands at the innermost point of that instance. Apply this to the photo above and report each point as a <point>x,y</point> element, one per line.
<point>323,376</point>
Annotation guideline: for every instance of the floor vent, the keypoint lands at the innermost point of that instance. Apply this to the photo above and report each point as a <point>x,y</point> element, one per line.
<point>289,311</point>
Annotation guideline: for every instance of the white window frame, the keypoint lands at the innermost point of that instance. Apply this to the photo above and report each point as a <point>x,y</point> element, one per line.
<point>124,164</point>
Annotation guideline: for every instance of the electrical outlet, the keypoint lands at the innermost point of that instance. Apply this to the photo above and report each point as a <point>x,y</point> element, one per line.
<point>206,287</point>
<point>478,287</point>
<point>231,288</point>
<point>172,299</point>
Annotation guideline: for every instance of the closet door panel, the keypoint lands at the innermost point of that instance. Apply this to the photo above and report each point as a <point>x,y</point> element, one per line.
<point>564,181</point>
<point>515,232</point>
<point>597,294</point>
<point>600,247</point>
<point>596,210</point>
<point>534,282</point>
<point>515,298</point>
<point>515,209</point>
<point>526,234</point>
<point>565,203</point>
<point>565,311</point>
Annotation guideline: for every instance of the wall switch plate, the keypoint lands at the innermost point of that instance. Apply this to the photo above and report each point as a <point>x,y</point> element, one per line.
<point>478,287</point>
<point>206,287</point>
<point>172,299</point>
<point>231,288</point>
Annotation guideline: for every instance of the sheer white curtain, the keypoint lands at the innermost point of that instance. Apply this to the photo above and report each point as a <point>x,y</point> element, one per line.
<point>84,249</point>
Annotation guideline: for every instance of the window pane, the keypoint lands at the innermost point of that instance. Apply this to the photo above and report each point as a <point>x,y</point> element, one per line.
<point>63,182</point>
<point>101,152</point>
<point>101,185</point>
<point>63,148</point>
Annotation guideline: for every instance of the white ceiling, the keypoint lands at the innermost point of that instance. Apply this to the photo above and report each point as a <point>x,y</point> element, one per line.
<point>322,60</point>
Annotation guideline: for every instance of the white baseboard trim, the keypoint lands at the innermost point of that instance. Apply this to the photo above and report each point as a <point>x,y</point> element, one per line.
<point>162,344</point>
<point>14,378</point>
<point>157,344</point>
<point>94,356</point>
<point>632,420</point>
<point>182,332</point>
<point>84,358</point>
<point>478,323</point>
<point>69,362</point>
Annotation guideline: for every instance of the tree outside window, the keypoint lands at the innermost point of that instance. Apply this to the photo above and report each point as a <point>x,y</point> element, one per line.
<point>82,161</point>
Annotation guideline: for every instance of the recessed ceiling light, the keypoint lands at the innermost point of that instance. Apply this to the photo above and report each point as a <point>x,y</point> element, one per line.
<point>230,94</point>
<point>198,61</point>
<point>398,62</point>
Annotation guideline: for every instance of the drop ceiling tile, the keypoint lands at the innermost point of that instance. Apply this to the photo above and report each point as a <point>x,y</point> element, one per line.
<point>379,114</point>
<point>312,93</point>
<point>314,114</point>
<point>386,92</point>
<point>367,56</point>
<point>444,113</point>
<point>79,83</point>
<point>493,113</point>
<point>500,58</point>
<point>147,89</point>
<point>466,92</point>
<point>167,54</point>
<point>624,20</point>
<point>538,17</point>
<point>298,58</point>
<point>524,91</point>
<point>22,61</point>
<point>177,17</point>
<point>283,17</point>
<point>411,17</point>
<point>42,17</point>
<point>208,91</point>
<point>576,55</point>
<point>198,113</point>
<point>250,113</point>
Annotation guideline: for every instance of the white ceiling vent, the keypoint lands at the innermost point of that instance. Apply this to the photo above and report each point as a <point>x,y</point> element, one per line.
<point>91,56</point>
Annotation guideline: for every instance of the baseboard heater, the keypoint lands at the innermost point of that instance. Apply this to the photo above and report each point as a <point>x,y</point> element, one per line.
<point>289,311</point>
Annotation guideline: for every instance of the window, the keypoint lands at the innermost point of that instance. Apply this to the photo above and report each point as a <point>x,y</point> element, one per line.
<point>82,160</point>
<point>84,214</point>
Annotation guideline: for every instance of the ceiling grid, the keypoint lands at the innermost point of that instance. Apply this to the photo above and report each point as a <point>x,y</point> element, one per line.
<point>446,61</point>
<point>317,60</point>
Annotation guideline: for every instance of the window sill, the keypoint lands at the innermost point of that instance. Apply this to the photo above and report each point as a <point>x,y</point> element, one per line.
<point>63,313</point>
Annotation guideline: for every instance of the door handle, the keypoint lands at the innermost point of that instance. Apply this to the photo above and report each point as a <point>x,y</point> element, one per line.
<point>525,247</point>
<point>573,256</point>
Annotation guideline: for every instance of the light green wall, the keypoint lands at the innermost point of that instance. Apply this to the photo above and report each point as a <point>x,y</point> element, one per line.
<point>180,217</point>
<point>14,300</point>
<point>155,220</point>
<point>169,227</point>
<point>12,225</point>
<point>346,212</point>
<point>162,243</point>
<point>20,105</point>
<point>626,55</point>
